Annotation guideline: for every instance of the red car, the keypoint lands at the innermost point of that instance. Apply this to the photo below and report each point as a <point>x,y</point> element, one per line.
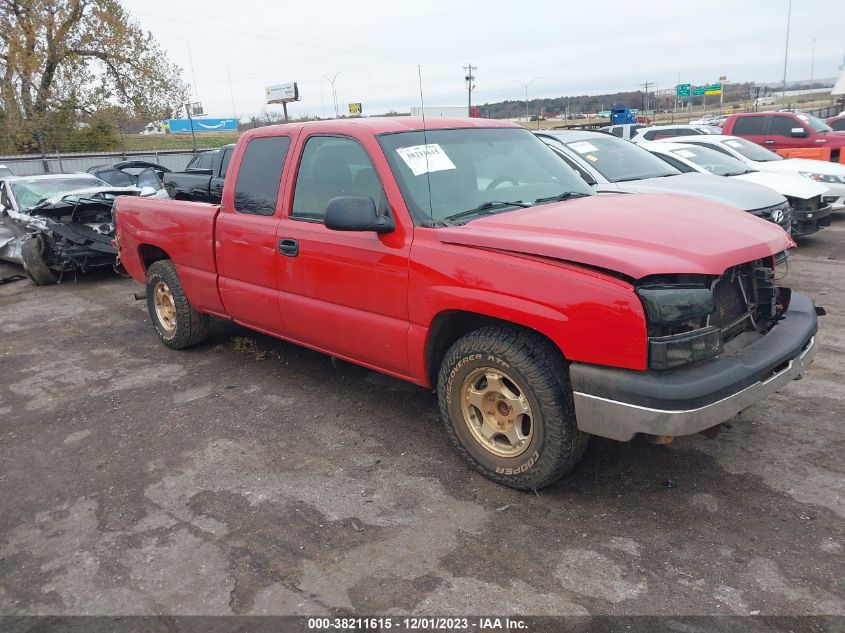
<point>786,130</point>
<point>837,123</point>
<point>467,257</point>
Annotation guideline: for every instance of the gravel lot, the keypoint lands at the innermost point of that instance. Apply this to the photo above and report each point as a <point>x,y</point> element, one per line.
<point>250,476</point>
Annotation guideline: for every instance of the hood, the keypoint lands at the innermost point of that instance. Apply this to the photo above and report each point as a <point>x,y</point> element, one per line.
<point>796,165</point>
<point>634,235</point>
<point>787,184</point>
<point>89,191</point>
<point>741,195</point>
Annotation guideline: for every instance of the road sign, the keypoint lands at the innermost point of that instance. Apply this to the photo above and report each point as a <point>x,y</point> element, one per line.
<point>355,108</point>
<point>682,90</point>
<point>698,91</point>
<point>282,93</point>
<point>713,89</point>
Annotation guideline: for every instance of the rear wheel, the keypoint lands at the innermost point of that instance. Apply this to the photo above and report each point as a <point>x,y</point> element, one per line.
<point>507,405</point>
<point>177,323</point>
<point>35,263</point>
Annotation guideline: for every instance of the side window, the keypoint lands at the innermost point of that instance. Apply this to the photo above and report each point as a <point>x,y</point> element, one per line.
<point>224,165</point>
<point>717,148</point>
<point>260,175</point>
<point>649,136</point>
<point>782,125</point>
<point>4,197</point>
<point>333,166</point>
<point>204,161</point>
<point>617,131</point>
<point>749,125</point>
<point>148,178</point>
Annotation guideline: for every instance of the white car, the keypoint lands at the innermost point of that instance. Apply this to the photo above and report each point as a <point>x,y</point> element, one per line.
<point>658,132</point>
<point>803,194</point>
<point>831,175</point>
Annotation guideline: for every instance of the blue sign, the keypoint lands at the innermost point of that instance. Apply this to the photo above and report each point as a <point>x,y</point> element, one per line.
<point>180,126</point>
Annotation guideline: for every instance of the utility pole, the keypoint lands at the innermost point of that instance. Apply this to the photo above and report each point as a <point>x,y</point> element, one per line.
<point>786,46</point>
<point>813,60</point>
<point>334,94</point>
<point>645,88</point>
<point>469,78</point>
<point>525,85</point>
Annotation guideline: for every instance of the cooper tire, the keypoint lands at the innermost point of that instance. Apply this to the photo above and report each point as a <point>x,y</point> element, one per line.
<point>176,322</point>
<point>534,439</point>
<point>34,262</point>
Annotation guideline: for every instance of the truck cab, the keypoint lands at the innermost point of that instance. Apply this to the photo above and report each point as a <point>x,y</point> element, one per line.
<point>203,178</point>
<point>787,131</point>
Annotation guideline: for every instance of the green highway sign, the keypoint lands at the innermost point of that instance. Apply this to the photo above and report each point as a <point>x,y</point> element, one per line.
<point>682,90</point>
<point>713,89</point>
<point>698,91</point>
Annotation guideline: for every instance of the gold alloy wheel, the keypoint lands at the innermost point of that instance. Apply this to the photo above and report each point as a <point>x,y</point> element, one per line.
<point>165,306</point>
<point>496,412</point>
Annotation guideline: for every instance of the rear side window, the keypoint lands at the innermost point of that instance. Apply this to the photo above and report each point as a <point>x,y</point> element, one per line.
<point>617,131</point>
<point>838,124</point>
<point>782,125</point>
<point>260,175</point>
<point>224,166</point>
<point>203,161</point>
<point>749,125</point>
<point>333,166</point>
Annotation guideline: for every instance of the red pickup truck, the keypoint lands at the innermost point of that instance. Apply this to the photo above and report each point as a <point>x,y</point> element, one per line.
<point>786,130</point>
<point>467,257</point>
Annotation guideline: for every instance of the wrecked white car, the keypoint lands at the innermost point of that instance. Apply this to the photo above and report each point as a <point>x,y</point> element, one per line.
<point>57,224</point>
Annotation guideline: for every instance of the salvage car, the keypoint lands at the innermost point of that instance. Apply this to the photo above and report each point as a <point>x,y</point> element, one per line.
<point>145,175</point>
<point>800,192</point>
<point>464,255</point>
<point>612,165</point>
<point>57,224</point>
<point>831,175</point>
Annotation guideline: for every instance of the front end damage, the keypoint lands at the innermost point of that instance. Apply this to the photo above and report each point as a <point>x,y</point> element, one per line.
<point>70,234</point>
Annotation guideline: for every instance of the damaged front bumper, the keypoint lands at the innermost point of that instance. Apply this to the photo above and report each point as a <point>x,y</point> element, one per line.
<point>619,403</point>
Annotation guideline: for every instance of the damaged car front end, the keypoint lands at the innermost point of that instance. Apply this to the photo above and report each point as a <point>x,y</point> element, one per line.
<point>59,224</point>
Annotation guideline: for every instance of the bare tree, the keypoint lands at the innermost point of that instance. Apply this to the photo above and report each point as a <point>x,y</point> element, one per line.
<point>81,55</point>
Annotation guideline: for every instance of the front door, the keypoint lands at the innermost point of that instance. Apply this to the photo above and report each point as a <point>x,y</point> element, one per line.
<point>246,236</point>
<point>343,292</point>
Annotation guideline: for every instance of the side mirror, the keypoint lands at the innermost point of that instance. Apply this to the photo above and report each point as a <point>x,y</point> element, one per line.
<point>356,213</point>
<point>798,132</point>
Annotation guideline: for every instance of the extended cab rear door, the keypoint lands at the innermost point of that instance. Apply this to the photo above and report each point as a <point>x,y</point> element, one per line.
<point>751,127</point>
<point>245,234</point>
<point>345,292</point>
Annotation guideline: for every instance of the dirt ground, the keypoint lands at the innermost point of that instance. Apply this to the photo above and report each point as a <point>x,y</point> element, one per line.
<point>250,476</point>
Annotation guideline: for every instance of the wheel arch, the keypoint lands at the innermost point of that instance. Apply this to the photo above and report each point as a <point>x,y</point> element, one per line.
<point>149,254</point>
<point>450,325</point>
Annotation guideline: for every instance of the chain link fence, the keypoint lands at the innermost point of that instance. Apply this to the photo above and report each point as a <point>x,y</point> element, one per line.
<point>35,164</point>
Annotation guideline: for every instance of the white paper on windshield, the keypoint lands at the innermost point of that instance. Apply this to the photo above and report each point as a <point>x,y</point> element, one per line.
<point>733,143</point>
<point>422,159</point>
<point>685,153</point>
<point>583,147</point>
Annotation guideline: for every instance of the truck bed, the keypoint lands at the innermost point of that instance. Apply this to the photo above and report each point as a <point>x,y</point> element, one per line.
<point>184,231</point>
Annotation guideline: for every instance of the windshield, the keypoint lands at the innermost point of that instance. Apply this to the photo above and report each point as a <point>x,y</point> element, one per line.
<point>752,151</point>
<point>29,193</point>
<point>713,161</point>
<point>448,172</point>
<point>817,124</point>
<point>619,160</point>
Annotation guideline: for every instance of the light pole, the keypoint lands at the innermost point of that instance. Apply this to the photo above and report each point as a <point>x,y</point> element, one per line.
<point>334,93</point>
<point>525,85</point>
<point>786,46</point>
<point>813,60</point>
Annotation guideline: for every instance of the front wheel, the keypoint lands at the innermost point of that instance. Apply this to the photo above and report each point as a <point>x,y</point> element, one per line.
<point>33,252</point>
<point>507,405</point>
<point>177,323</point>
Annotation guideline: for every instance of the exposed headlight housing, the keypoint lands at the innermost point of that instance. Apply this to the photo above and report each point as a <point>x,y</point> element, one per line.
<point>667,352</point>
<point>677,317</point>
<point>823,177</point>
<point>672,304</point>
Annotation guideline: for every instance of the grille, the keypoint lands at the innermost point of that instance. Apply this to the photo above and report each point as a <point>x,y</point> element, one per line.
<point>811,204</point>
<point>780,214</point>
<point>731,312</point>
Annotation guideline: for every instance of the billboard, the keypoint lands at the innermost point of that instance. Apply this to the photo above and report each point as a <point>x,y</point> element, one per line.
<point>355,108</point>
<point>282,93</point>
<point>181,126</point>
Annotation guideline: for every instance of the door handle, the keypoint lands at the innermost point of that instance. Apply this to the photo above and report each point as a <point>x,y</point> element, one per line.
<point>768,141</point>
<point>288,247</point>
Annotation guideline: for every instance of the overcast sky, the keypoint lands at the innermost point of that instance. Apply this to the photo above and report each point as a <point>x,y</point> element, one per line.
<point>573,47</point>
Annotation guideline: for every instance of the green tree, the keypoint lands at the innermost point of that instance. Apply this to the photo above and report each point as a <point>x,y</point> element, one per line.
<point>78,57</point>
